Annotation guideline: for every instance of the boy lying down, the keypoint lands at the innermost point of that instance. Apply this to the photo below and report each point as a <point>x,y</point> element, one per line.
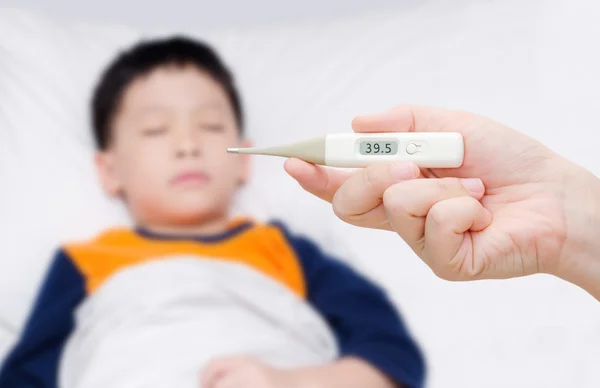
<point>191,297</point>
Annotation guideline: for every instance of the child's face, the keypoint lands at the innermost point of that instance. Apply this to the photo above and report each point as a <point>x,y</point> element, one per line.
<point>168,155</point>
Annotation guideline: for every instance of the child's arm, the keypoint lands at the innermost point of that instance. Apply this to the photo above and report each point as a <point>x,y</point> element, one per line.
<point>369,329</point>
<point>242,372</point>
<point>346,373</point>
<point>33,362</point>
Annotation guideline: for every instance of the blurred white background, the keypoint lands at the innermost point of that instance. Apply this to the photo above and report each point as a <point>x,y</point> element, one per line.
<point>206,15</point>
<point>531,64</point>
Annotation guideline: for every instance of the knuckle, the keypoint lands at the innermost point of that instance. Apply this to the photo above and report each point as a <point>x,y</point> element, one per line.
<point>339,209</point>
<point>376,176</point>
<point>393,197</point>
<point>370,177</point>
<point>438,216</point>
<point>450,186</point>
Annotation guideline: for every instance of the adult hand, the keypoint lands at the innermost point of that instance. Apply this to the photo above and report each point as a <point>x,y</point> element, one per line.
<point>513,208</point>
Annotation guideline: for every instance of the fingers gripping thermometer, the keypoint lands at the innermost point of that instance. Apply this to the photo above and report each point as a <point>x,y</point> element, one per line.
<point>355,150</point>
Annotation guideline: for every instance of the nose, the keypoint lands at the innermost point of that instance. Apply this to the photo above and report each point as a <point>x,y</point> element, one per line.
<point>187,144</point>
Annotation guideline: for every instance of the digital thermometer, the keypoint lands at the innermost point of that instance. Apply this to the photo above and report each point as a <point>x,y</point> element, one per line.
<point>354,150</point>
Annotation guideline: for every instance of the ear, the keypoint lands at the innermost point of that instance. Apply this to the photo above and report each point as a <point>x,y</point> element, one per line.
<point>245,175</point>
<point>107,174</point>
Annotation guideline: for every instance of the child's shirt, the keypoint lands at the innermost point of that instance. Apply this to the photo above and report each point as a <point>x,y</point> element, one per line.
<point>132,308</point>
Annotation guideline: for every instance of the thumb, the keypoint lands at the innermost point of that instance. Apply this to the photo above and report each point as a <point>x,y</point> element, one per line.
<point>409,118</point>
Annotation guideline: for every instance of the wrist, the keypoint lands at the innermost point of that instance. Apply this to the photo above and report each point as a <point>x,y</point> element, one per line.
<point>580,262</point>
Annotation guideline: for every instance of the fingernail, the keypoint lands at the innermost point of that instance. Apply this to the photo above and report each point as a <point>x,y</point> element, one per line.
<point>473,185</point>
<point>404,171</point>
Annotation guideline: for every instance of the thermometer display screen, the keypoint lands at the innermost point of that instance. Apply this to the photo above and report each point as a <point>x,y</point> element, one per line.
<point>378,147</point>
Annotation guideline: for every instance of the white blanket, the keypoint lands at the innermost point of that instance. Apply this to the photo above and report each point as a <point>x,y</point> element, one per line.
<point>159,323</point>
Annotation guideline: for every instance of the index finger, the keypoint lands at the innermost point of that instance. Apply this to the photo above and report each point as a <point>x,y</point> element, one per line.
<point>409,118</point>
<point>318,180</point>
<point>359,200</point>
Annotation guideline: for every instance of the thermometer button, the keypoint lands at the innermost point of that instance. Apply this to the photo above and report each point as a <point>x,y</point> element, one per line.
<point>412,148</point>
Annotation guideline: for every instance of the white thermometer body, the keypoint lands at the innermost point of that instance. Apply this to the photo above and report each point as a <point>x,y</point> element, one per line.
<point>356,150</point>
<point>436,150</point>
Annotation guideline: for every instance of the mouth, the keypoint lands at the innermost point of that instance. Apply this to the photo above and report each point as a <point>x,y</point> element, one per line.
<point>190,178</point>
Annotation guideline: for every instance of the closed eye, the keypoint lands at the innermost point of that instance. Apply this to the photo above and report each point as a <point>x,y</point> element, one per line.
<point>154,131</point>
<point>212,127</point>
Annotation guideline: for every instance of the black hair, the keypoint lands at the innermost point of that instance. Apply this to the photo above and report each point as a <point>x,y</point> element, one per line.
<point>143,58</point>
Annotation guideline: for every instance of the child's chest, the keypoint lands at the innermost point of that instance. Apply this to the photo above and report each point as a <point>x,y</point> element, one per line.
<point>266,253</point>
